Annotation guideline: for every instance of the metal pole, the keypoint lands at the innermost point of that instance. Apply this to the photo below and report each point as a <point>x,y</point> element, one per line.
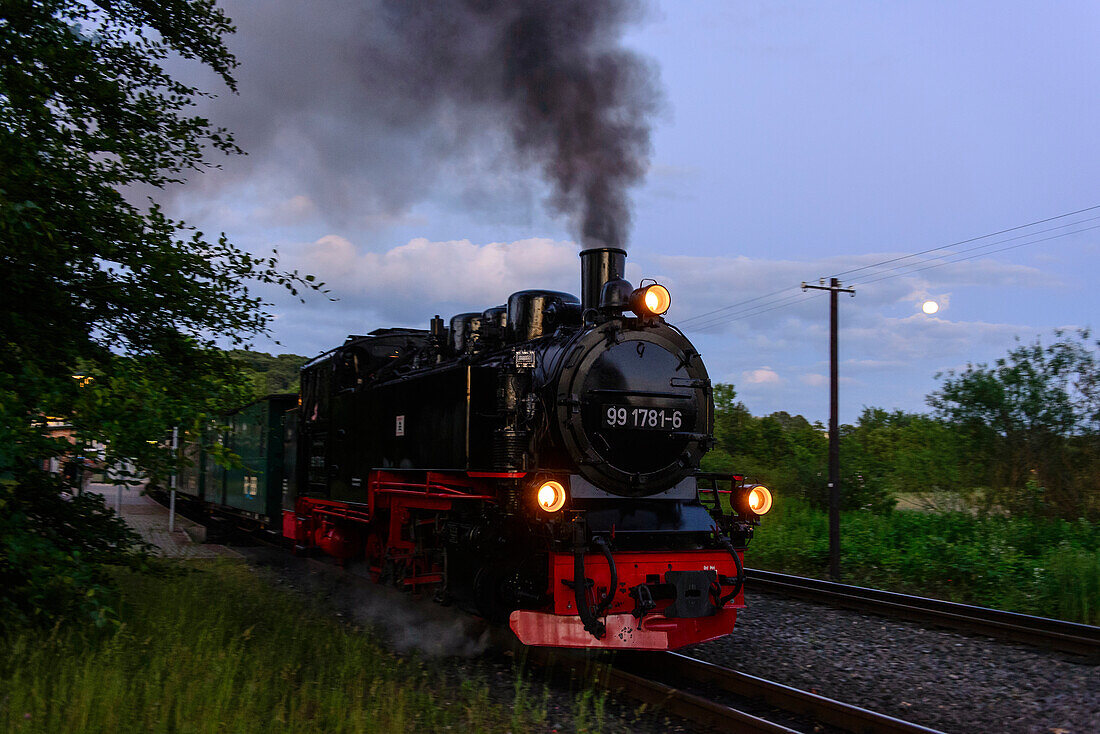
<point>172,494</point>
<point>834,439</point>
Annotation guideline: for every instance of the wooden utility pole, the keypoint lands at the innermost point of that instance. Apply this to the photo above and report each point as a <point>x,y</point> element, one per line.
<point>834,425</point>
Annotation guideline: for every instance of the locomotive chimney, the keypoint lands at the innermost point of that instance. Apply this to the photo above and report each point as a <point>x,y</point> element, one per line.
<point>599,265</point>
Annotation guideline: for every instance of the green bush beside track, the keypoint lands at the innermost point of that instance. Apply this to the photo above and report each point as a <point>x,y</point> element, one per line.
<point>1046,567</point>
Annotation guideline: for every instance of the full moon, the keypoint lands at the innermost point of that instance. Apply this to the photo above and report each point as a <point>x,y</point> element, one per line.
<point>930,307</point>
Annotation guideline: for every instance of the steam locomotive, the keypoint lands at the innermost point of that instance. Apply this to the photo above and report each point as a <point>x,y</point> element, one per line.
<point>537,462</point>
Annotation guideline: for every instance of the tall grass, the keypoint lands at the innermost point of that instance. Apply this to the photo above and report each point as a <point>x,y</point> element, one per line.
<point>1034,566</point>
<point>222,650</point>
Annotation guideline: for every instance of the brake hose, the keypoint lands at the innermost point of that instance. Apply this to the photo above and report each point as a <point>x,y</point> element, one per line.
<point>587,614</point>
<point>602,544</point>
<point>737,582</point>
<point>580,594</point>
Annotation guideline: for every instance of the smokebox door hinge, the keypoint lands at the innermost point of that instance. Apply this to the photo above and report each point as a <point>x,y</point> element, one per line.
<point>688,382</point>
<point>572,401</point>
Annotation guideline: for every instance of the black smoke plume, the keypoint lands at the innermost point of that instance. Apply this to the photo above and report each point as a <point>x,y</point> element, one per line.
<point>381,101</point>
<point>576,102</point>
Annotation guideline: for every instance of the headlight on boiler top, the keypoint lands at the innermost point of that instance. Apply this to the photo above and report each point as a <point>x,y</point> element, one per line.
<point>651,300</point>
<point>551,496</point>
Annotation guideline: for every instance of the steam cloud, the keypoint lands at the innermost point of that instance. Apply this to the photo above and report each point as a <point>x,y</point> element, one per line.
<point>407,624</point>
<point>375,102</point>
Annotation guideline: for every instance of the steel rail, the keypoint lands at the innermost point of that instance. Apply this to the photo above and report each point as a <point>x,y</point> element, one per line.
<point>1054,634</point>
<point>688,706</point>
<point>666,698</point>
<point>819,708</point>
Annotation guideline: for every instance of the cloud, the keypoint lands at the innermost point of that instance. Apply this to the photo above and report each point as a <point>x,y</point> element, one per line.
<point>759,303</point>
<point>410,282</point>
<point>888,353</point>
<point>873,364</point>
<point>919,337</point>
<point>724,294</point>
<point>293,210</point>
<point>742,312</point>
<point>407,284</point>
<point>762,376</point>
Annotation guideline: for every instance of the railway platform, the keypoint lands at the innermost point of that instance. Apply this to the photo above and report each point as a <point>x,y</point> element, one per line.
<point>150,520</point>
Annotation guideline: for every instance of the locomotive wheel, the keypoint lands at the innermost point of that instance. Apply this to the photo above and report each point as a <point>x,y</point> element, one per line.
<point>489,597</point>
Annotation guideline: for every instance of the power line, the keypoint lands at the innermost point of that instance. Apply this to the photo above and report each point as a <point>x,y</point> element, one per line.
<point>732,305</point>
<point>980,254</point>
<point>706,323</point>
<point>773,308</point>
<point>985,245</point>
<point>972,239</point>
<point>732,312</point>
<point>792,300</point>
<point>751,311</point>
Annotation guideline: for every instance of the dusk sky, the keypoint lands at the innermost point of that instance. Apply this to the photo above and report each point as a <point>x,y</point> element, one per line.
<point>794,141</point>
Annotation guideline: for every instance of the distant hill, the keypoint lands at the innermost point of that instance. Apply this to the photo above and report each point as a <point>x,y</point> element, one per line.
<point>271,373</point>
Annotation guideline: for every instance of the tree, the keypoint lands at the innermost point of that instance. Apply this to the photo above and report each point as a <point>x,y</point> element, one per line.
<point>93,284</point>
<point>1034,418</point>
<point>887,453</point>
<point>270,374</point>
<point>785,452</point>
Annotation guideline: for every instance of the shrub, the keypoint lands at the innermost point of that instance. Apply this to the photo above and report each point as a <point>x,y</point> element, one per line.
<point>53,548</point>
<point>1031,565</point>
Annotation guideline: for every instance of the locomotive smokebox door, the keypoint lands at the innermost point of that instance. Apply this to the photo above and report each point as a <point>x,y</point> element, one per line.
<point>635,408</point>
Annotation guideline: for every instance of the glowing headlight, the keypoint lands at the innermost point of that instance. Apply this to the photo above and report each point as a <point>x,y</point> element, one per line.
<point>551,496</point>
<point>652,300</point>
<point>760,499</point>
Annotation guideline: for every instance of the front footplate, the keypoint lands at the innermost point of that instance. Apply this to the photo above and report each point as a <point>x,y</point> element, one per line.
<point>653,632</point>
<point>662,600</point>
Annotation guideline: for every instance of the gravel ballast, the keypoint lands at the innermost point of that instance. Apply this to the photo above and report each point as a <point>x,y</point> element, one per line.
<point>937,678</point>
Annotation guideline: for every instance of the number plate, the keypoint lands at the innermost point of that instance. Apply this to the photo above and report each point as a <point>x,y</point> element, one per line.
<point>652,419</point>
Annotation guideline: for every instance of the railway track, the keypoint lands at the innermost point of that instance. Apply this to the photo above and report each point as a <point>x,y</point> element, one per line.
<point>712,697</point>
<point>1053,634</point>
<point>694,690</point>
<point>721,699</point>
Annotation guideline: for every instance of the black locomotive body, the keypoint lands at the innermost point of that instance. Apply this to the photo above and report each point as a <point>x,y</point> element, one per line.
<point>536,462</point>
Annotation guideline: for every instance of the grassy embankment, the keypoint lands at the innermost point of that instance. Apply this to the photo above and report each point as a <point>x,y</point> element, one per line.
<point>222,650</point>
<point>1045,567</point>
